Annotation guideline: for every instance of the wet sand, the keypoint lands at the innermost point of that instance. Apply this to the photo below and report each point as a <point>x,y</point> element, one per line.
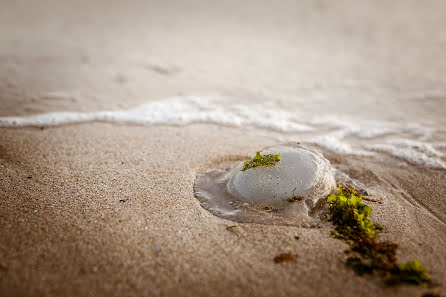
<point>104,212</point>
<point>100,209</point>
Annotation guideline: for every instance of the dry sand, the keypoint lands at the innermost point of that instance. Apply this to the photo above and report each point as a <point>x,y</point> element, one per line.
<point>98,209</point>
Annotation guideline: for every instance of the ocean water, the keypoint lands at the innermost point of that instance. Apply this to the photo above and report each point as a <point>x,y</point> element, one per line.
<point>414,142</point>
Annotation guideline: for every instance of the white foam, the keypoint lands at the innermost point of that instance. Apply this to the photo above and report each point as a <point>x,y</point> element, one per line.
<point>413,151</point>
<point>48,119</point>
<point>333,143</point>
<point>424,147</point>
<point>343,135</point>
<point>369,129</point>
<point>173,111</point>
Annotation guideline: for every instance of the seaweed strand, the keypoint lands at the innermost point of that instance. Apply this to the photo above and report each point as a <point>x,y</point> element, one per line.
<point>350,217</point>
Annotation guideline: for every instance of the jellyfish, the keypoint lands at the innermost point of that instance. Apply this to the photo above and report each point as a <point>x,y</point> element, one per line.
<point>282,184</point>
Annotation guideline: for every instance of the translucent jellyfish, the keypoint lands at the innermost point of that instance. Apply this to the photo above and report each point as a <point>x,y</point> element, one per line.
<point>287,190</point>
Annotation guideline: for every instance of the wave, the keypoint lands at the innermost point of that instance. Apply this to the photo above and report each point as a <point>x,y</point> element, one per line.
<point>343,136</point>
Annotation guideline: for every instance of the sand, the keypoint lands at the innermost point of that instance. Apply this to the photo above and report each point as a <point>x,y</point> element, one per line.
<point>66,229</point>
<point>100,209</point>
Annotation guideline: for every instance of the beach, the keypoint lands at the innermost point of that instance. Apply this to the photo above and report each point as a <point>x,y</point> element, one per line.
<point>100,202</point>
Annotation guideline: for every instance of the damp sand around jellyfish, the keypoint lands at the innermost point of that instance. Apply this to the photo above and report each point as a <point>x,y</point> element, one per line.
<point>283,184</point>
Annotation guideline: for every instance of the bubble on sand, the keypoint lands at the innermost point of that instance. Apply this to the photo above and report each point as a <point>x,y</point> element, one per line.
<point>290,192</point>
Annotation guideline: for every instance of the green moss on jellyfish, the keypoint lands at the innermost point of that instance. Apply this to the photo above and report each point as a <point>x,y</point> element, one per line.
<point>268,160</point>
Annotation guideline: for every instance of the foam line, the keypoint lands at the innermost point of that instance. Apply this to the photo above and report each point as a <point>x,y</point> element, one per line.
<point>343,136</point>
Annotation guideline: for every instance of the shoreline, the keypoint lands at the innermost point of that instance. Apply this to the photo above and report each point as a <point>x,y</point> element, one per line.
<point>108,209</point>
<point>83,229</point>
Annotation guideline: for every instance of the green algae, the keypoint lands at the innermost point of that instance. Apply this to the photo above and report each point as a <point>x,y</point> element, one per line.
<point>367,254</point>
<point>268,160</point>
<point>414,272</point>
<point>350,214</point>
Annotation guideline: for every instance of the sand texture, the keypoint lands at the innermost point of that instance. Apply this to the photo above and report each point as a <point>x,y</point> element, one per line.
<point>67,231</point>
<point>102,209</point>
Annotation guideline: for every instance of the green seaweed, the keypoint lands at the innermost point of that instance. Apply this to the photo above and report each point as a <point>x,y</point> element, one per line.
<point>261,160</point>
<point>353,225</point>
<point>414,272</point>
<point>358,266</point>
<point>350,214</point>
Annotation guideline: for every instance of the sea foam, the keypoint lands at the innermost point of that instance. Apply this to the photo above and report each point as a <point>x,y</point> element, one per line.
<point>174,111</point>
<point>343,135</point>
